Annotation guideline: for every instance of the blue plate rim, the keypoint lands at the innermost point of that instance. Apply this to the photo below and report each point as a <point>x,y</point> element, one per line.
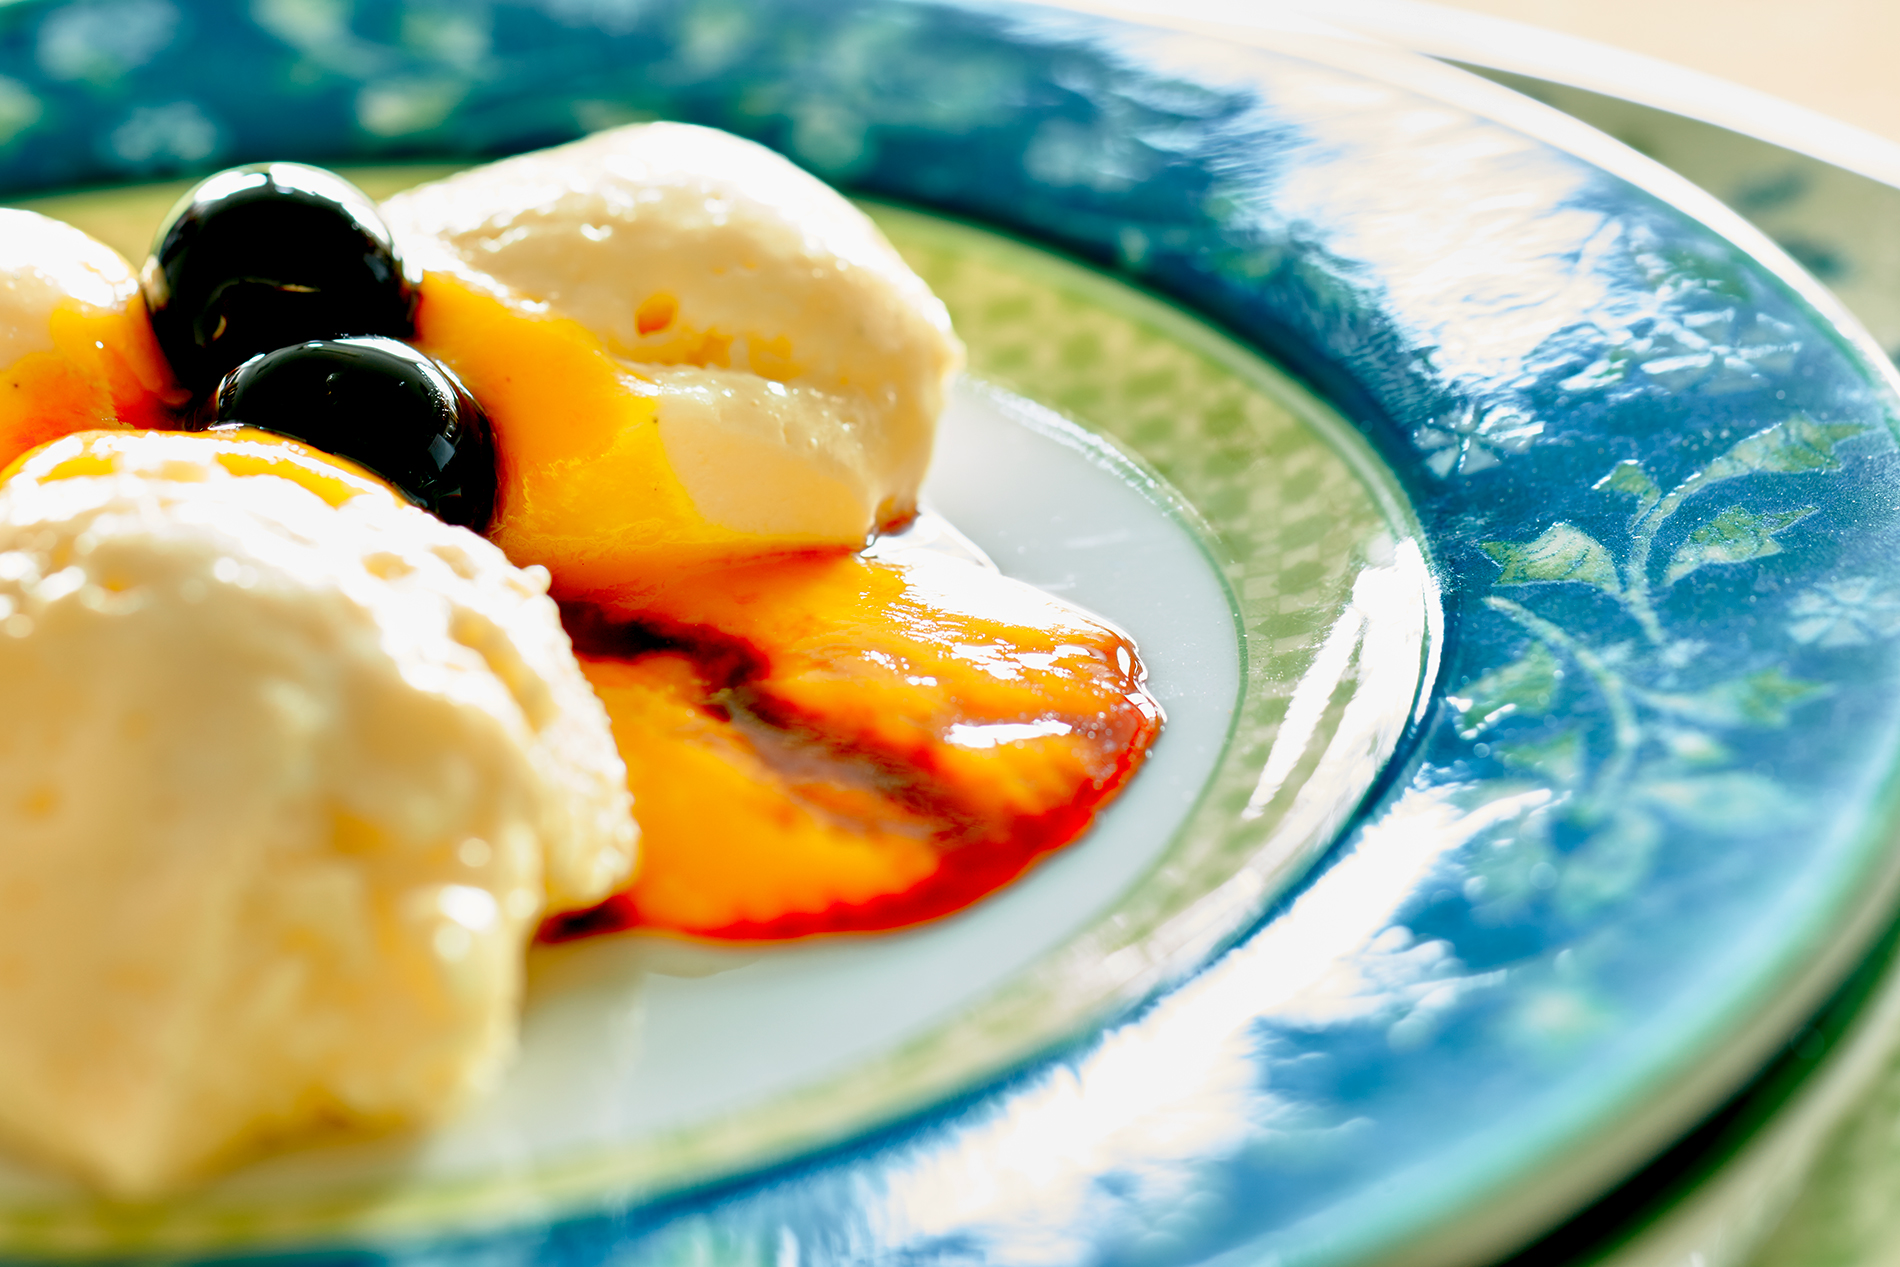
<point>1810,971</point>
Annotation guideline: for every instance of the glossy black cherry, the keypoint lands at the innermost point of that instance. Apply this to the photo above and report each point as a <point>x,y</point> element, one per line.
<point>257,258</point>
<point>379,403</point>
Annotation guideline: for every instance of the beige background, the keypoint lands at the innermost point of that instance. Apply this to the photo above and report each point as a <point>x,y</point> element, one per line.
<point>1816,76</point>
<point>1841,57</point>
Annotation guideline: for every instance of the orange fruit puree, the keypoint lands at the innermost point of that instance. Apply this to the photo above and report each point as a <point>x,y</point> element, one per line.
<point>815,742</point>
<point>240,450</point>
<point>584,486</point>
<point>843,744</point>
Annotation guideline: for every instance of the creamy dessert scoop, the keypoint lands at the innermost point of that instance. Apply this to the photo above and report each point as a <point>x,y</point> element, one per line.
<point>76,349</point>
<point>798,362</point>
<point>289,774</point>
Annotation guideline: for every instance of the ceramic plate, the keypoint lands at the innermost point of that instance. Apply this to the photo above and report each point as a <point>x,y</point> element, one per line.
<point>1410,941</point>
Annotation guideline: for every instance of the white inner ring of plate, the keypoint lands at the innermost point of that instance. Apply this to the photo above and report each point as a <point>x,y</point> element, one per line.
<point>633,1036</point>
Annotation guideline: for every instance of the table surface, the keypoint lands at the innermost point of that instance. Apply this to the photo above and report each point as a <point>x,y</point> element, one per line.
<point>1833,56</point>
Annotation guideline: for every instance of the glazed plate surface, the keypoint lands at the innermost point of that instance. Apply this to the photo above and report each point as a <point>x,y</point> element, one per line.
<point>1526,640</point>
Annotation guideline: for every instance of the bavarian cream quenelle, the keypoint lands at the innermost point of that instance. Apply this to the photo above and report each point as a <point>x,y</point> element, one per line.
<point>47,265</point>
<point>290,772</point>
<point>794,363</point>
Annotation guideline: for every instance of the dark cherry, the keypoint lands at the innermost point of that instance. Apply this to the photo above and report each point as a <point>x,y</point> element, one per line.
<point>260,257</point>
<point>379,403</point>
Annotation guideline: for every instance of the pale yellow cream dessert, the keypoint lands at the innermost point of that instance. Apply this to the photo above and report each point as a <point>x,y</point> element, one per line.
<point>683,328</point>
<point>46,265</point>
<point>289,774</point>
<point>76,350</point>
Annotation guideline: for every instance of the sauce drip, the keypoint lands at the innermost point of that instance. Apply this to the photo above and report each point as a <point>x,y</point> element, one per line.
<point>840,744</point>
